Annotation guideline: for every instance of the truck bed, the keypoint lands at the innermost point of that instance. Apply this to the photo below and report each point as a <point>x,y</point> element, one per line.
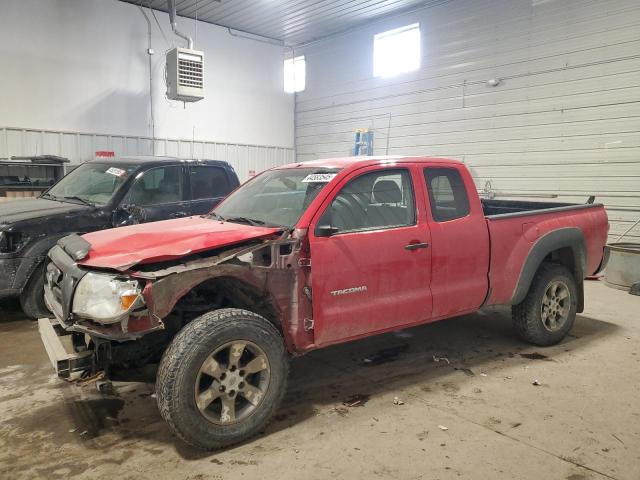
<point>499,208</point>
<point>516,226</point>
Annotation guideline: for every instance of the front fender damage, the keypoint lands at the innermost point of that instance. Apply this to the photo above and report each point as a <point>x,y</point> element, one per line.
<point>264,276</point>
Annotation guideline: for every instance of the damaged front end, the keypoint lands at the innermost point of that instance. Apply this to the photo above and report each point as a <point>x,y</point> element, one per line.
<point>128,317</point>
<point>93,309</point>
<point>101,304</point>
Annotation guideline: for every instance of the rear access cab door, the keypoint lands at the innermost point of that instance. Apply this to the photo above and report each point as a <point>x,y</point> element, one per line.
<point>460,240</point>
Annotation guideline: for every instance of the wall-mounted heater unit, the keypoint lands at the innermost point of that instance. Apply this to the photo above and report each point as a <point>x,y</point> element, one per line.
<point>185,75</point>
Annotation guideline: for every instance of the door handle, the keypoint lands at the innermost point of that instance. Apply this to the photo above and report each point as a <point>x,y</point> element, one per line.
<point>416,246</point>
<point>179,214</point>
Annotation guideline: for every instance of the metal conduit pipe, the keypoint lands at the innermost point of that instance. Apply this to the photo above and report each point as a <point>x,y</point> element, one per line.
<point>174,25</point>
<point>149,54</point>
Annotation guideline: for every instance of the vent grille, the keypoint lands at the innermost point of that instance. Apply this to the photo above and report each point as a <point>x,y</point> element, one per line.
<point>185,75</point>
<point>190,73</point>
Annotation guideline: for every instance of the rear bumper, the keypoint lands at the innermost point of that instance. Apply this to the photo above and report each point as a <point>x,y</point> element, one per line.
<point>603,262</point>
<point>63,362</point>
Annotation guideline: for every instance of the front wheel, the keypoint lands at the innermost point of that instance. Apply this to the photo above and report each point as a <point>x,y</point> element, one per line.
<point>548,311</point>
<point>222,378</point>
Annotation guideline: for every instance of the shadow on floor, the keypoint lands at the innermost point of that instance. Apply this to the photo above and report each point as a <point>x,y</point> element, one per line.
<point>10,310</point>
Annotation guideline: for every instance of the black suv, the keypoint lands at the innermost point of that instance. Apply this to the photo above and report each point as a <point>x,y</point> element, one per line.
<point>98,195</point>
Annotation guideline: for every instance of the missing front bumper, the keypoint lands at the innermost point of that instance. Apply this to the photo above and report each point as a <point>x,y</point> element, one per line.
<point>63,362</point>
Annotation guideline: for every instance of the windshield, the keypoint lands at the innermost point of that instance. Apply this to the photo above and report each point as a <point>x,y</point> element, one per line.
<point>93,183</point>
<point>275,198</point>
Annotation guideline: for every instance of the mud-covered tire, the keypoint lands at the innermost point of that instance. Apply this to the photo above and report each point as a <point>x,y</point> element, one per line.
<point>179,370</point>
<point>32,297</point>
<point>527,316</point>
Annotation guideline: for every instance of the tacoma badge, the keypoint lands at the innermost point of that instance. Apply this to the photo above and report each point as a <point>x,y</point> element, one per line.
<point>347,291</point>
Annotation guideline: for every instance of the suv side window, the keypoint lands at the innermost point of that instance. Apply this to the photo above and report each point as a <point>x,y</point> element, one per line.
<point>447,194</point>
<point>208,182</point>
<point>373,201</point>
<point>158,186</point>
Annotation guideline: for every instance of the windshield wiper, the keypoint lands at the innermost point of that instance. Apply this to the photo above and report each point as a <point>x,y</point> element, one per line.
<point>53,197</point>
<point>250,221</point>
<point>80,199</point>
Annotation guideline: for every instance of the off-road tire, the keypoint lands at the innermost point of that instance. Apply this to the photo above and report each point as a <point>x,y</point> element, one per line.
<point>527,315</point>
<point>181,362</point>
<point>32,296</point>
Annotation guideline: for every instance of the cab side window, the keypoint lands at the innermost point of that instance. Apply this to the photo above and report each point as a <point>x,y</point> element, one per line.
<point>447,194</point>
<point>208,182</point>
<point>158,186</point>
<point>373,201</point>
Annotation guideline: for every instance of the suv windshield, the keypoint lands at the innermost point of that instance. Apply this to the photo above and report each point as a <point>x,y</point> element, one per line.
<point>91,183</point>
<point>276,197</point>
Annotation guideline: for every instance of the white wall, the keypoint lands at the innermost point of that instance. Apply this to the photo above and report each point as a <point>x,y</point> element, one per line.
<point>80,66</point>
<point>564,121</point>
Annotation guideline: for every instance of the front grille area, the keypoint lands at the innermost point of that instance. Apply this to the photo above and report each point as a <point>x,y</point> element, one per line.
<point>54,285</point>
<point>62,276</point>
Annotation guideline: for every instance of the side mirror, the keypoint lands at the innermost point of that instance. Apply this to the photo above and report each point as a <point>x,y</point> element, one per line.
<point>127,215</point>
<point>325,231</point>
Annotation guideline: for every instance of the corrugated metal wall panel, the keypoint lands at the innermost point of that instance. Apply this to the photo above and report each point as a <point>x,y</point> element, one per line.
<point>80,147</point>
<point>563,123</point>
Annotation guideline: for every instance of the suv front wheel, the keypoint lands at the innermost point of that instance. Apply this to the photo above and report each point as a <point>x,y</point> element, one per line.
<point>222,378</point>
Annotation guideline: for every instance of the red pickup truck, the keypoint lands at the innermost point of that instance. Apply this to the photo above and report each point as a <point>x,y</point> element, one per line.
<point>304,256</point>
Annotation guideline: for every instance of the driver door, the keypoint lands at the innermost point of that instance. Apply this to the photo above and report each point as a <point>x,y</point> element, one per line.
<point>373,272</point>
<point>159,193</point>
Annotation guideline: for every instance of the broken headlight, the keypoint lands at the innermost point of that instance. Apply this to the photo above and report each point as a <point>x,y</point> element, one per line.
<point>12,242</point>
<point>105,299</point>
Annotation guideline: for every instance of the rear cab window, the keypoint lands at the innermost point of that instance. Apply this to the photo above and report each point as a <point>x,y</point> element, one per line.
<point>447,193</point>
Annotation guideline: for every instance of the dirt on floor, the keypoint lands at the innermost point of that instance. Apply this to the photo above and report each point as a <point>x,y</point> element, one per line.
<point>462,398</point>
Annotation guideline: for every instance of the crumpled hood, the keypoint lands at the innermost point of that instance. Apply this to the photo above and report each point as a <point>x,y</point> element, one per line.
<point>29,209</point>
<point>121,248</point>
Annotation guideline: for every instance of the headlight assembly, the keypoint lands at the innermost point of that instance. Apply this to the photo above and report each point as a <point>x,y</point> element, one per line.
<point>105,299</point>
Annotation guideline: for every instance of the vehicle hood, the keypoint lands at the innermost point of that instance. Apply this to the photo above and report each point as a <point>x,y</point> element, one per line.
<point>20,210</point>
<point>121,248</point>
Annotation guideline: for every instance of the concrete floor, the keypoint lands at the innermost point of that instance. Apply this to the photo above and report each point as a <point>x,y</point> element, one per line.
<point>477,417</point>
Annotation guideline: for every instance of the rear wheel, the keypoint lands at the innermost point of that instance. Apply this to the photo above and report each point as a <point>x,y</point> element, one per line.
<point>548,311</point>
<point>222,378</point>
<point>32,297</point>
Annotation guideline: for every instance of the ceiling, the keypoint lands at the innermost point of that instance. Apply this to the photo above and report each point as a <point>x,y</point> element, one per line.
<point>293,22</point>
